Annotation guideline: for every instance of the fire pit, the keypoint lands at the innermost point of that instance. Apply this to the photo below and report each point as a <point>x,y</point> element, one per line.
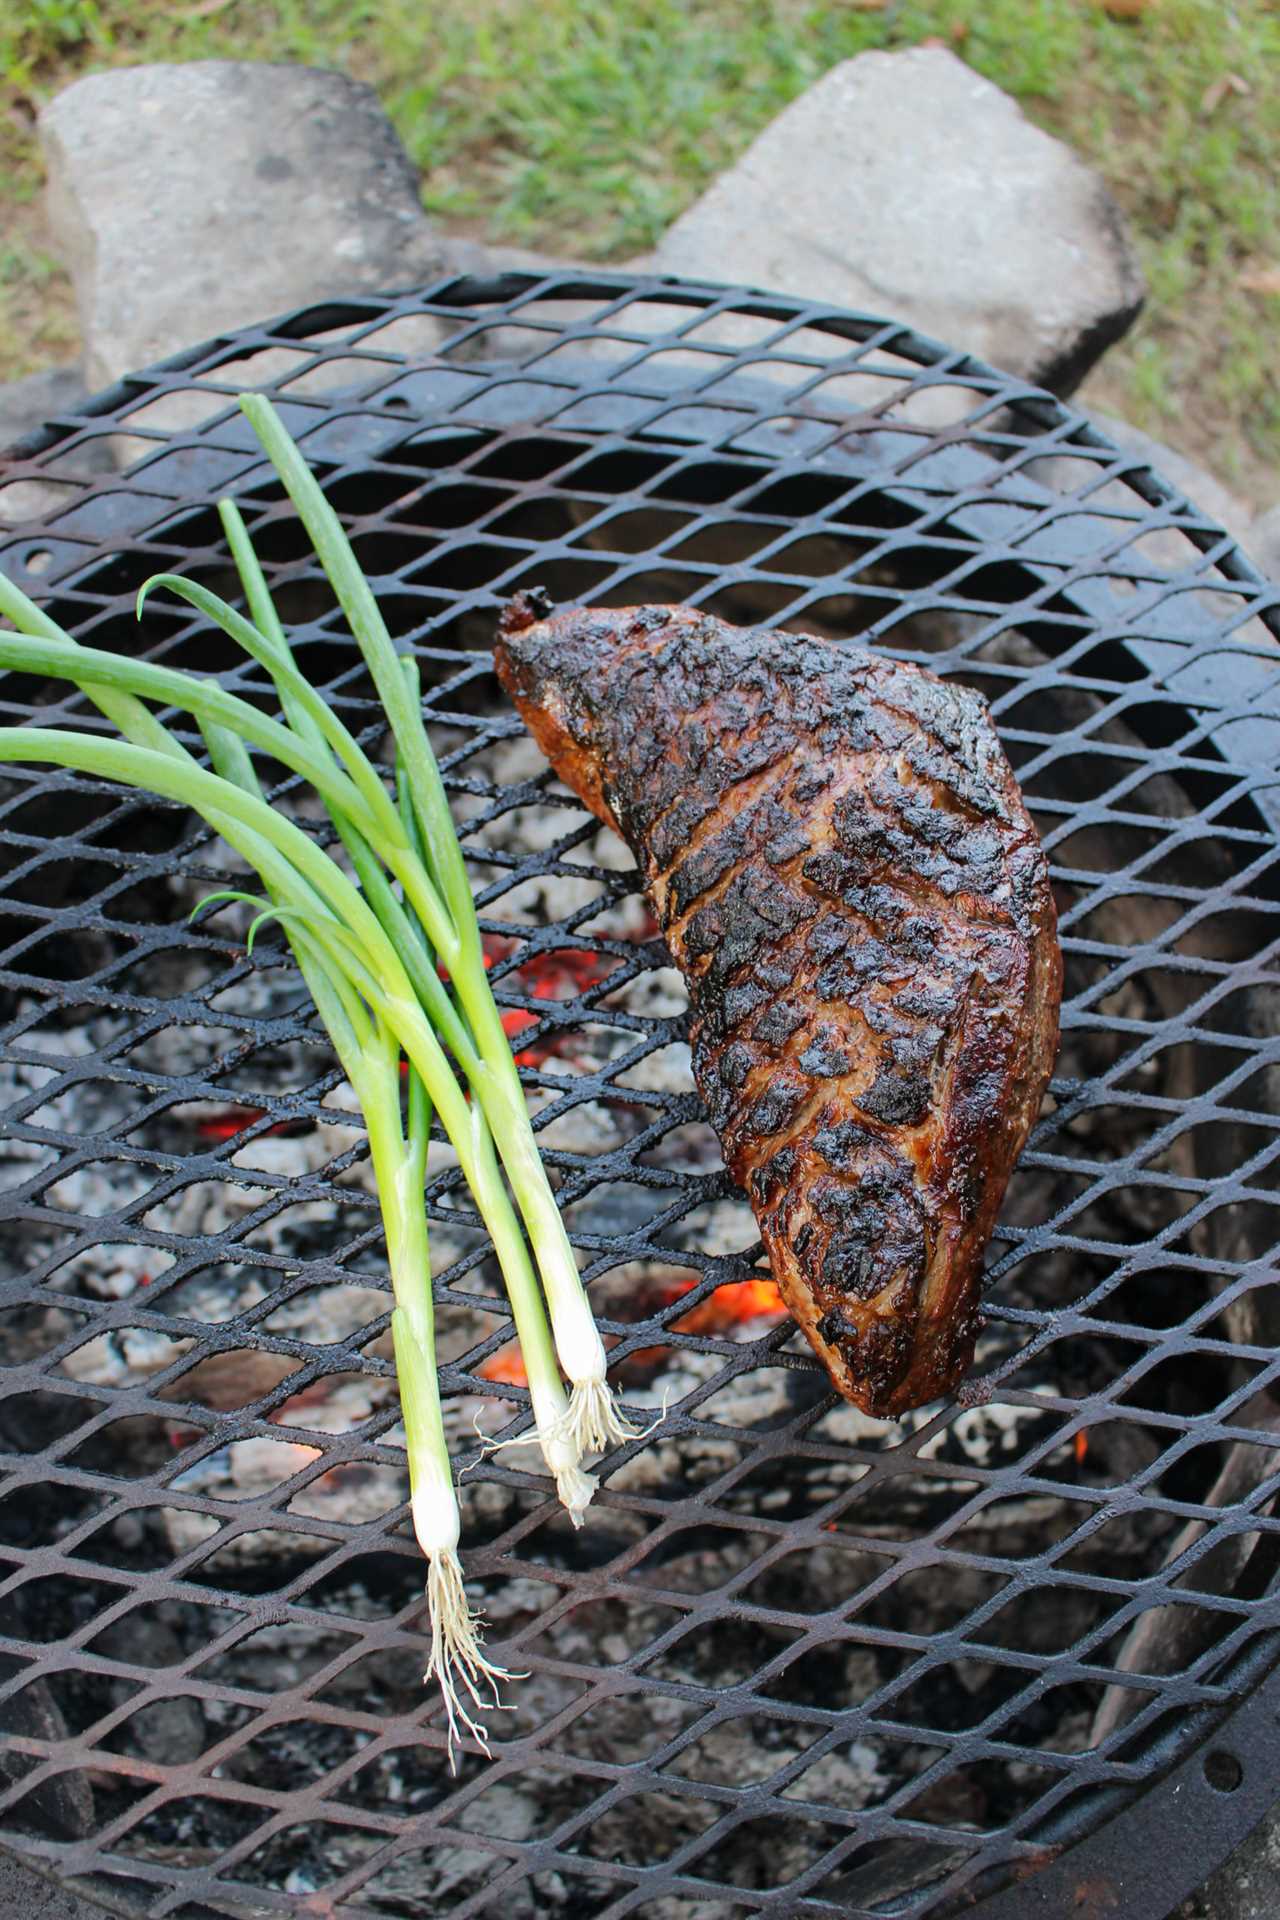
<point>799,1662</point>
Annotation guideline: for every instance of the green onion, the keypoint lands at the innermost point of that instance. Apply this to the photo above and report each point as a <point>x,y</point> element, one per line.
<point>372,955</point>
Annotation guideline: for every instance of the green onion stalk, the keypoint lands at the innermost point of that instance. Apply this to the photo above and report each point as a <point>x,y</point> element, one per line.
<point>413,865</point>
<point>391,969</point>
<point>593,1421</point>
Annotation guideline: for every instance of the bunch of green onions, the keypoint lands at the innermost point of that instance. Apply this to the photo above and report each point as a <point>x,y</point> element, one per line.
<point>372,939</point>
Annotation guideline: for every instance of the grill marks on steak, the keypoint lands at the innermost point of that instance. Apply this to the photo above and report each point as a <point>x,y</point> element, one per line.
<point>845,873</point>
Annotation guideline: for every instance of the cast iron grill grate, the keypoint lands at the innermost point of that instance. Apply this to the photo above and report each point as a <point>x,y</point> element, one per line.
<point>800,1662</point>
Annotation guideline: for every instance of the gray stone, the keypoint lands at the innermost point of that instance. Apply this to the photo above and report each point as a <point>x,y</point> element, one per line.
<point>1246,1886</point>
<point>27,404</point>
<point>475,256</point>
<point>1262,543</point>
<point>906,185</point>
<point>63,1803</point>
<point>1201,487</point>
<point>30,1891</point>
<point>191,199</point>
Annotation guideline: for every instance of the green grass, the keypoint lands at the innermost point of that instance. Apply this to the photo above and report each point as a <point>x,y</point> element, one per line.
<point>586,125</point>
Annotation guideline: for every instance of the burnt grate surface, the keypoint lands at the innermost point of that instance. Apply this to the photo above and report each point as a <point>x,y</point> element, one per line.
<point>800,1662</point>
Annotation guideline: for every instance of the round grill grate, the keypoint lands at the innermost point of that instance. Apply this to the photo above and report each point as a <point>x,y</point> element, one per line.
<point>799,1661</point>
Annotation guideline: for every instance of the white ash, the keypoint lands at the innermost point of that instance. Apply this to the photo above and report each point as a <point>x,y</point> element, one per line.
<point>329,1314</point>
<point>208,1207</point>
<point>549,899</point>
<point>752,1401</point>
<point>90,1192</point>
<point>111,1270</point>
<point>430,1882</point>
<point>587,1129</point>
<point>246,1468</point>
<point>989,1432</point>
<point>125,1355</point>
<point>718,1229</point>
<point>771,1393</point>
<point>58,1040</point>
<point>350,1493</point>
<point>63,1046</point>
<point>983,1433</point>
<point>669,1068</point>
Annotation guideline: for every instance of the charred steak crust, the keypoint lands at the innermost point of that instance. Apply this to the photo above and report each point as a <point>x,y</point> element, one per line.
<point>847,877</point>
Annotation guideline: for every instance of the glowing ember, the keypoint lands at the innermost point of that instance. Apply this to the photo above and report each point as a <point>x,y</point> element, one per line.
<point>233,1120</point>
<point>561,974</point>
<point>1082,1447</point>
<point>504,1368</point>
<point>730,1305</point>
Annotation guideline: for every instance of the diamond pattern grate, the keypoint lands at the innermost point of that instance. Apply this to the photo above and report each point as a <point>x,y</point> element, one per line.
<point>801,1662</point>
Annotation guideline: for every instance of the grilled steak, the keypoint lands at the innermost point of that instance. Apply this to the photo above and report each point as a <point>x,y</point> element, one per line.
<point>847,877</point>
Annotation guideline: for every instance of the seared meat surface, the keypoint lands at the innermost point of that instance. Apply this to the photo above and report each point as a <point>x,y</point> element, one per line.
<point>847,877</point>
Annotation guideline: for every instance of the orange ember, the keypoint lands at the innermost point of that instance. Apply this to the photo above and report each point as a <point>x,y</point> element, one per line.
<point>729,1306</point>
<point>1082,1447</point>
<point>505,1368</point>
<point>561,974</point>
